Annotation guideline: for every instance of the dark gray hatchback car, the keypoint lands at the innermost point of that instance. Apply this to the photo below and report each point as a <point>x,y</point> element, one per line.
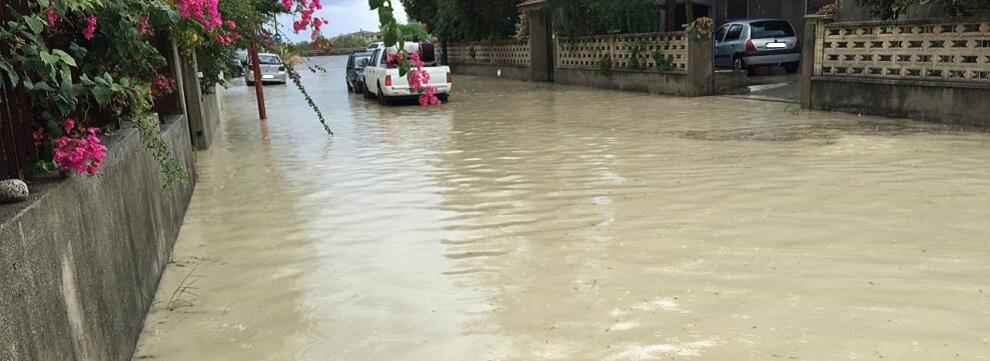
<point>744,44</point>
<point>355,71</point>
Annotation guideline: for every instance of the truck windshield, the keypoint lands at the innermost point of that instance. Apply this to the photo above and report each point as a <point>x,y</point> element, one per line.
<point>771,29</point>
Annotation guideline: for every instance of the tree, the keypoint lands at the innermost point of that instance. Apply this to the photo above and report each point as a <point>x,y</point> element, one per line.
<point>589,17</point>
<point>891,9</point>
<point>471,19</point>
<point>420,10</point>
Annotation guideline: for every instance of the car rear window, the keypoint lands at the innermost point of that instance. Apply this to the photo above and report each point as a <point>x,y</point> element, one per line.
<point>771,29</point>
<point>269,60</point>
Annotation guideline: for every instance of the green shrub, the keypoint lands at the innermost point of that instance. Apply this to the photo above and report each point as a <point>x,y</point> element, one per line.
<point>605,65</point>
<point>663,62</point>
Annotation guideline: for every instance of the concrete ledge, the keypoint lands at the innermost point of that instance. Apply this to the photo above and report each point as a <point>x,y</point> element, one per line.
<point>727,81</point>
<point>941,102</point>
<point>81,259</point>
<point>653,82</point>
<point>515,72</point>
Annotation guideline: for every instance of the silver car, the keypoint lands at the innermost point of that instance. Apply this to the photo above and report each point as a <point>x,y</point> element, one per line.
<point>272,70</point>
<point>744,44</point>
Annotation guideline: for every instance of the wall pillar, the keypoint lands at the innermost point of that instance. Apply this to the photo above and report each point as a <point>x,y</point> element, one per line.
<point>194,102</point>
<point>540,45</point>
<point>172,103</point>
<point>814,29</point>
<point>701,63</point>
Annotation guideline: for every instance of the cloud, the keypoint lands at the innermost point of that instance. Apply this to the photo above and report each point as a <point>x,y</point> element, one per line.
<point>345,16</point>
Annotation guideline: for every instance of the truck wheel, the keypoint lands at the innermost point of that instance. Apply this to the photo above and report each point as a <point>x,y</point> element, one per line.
<point>367,93</point>
<point>444,98</point>
<point>382,99</point>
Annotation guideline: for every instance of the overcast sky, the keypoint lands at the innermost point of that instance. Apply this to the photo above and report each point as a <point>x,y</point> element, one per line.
<point>346,16</point>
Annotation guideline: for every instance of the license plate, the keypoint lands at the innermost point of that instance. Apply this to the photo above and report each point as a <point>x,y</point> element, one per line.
<point>776,45</point>
<point>267,77</point>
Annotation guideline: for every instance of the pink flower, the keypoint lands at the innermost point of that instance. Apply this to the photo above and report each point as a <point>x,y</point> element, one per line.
<point>287,4</point>
<point>68,125</point>
<point>393,59</point>
<point>143,25</point>
<point>80,151</point>
<point>429,97</point>
<point>230,24</point>
<point>52,18</point>
<point>90,27</point>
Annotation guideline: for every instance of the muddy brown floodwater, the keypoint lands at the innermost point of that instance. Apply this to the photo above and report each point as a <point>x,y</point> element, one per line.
<point>530,221</point>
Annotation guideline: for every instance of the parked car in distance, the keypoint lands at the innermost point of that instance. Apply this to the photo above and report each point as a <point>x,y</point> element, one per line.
<point>385,84</point>
<point>355,71</point>
<point>744,44</point>
<point>234,64</point>
<point>272,70</point>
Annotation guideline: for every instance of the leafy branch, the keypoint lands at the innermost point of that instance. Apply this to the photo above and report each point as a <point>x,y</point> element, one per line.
<point>297,80</point>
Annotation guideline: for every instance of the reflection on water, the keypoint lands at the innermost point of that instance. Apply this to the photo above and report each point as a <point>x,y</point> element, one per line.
<point>537,222</point>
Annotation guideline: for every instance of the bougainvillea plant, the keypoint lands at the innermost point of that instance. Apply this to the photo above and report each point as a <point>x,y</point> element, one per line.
<point>407,64</point>
<point>79,150</point>
<point>86,65</point>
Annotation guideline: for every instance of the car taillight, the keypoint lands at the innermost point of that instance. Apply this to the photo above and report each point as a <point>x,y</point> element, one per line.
<point>281,68</point>
<point>388,80</point>
<point>750,47</point>
<point>450,78</point>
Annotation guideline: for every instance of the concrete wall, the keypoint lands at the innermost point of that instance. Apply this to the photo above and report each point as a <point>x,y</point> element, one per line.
<point>514,72</point>
<point>932,101</point>
<point>81,259</point>
<point>652,82</point>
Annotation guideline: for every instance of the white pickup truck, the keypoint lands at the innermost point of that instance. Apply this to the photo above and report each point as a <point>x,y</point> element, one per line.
<point>386,85</point>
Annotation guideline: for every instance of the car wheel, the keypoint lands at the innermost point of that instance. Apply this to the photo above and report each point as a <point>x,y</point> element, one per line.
<point>382,99</point>
<point>249,83</point>
<point>792,68</point>
<point>444,98</point>
<point>367,93</point>
<point>738,63</point>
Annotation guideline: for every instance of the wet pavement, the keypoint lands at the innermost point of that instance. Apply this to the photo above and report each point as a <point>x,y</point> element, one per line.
<point>537,222</point>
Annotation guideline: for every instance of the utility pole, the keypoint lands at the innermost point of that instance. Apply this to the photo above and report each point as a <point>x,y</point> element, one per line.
<point>259,90</point>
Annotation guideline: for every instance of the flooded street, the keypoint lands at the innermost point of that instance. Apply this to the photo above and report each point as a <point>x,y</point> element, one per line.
<point>528,221</point>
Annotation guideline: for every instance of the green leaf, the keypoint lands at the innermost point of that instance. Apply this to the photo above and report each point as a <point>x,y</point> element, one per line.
<point>66,58</point>
<point>374,4</point>
<point>9,70</point>
<point>79,51</point>
<point>101,94</point>
<point>48,58</point>
<point>66,74</point>
<point>35,23</point>
<point>43,86</point>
